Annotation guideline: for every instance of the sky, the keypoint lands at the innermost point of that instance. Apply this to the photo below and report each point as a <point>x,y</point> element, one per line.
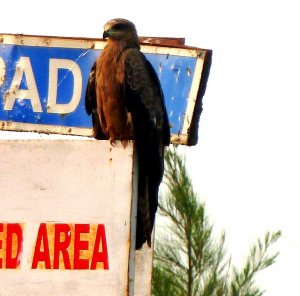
<point>246,166</point>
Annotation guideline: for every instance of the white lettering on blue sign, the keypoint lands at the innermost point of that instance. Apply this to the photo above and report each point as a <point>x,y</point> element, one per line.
<point>24,69</point>
<point>72,67</point>
<point>46,85</point>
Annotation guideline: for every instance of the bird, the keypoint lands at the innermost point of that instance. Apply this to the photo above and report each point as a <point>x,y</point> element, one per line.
<point>126,101</point>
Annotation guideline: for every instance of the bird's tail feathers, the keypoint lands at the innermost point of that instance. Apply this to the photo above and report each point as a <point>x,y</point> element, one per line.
<point>144,211</point>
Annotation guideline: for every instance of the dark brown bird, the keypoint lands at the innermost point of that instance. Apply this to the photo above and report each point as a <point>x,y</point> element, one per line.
<point>126,101</point>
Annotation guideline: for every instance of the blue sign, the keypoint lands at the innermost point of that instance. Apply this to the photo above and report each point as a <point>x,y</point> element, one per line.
<point>45,86</point>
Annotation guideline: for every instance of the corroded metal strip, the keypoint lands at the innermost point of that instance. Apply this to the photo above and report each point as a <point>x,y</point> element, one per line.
<point>47,129</point>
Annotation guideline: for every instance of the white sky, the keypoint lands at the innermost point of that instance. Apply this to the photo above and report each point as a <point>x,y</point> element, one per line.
<point>246,165</point>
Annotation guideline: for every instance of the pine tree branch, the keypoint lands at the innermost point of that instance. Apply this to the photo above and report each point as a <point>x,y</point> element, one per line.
<point>258,260</point>
<point>190,261</point>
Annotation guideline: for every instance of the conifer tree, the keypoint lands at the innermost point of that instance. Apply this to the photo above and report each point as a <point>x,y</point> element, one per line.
<point>188,259</point>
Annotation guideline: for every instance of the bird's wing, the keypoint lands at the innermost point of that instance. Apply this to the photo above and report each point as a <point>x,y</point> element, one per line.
<point>91,104</point>
<point>143,94</point>
<point>144,100</point>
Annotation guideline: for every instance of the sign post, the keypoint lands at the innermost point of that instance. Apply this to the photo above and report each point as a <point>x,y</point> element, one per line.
<point>68,207</point>
<point>43,82</point>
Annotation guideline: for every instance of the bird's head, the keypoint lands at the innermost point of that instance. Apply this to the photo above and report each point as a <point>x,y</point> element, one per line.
<point>120,29</point>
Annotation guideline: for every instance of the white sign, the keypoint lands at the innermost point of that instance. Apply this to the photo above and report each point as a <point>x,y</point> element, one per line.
<point>66,218</point>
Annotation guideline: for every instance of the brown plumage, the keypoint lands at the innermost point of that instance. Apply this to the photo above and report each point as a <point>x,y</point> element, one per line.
<point>126,102</point>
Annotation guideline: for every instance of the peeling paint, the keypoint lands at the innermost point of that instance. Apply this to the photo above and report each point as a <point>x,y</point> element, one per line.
<point>2,71</point>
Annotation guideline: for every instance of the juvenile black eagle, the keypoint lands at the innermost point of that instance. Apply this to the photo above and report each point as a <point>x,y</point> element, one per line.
<point>125,99</point>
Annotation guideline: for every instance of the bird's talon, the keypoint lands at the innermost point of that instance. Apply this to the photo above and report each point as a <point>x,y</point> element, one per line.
<point>124,143</point>
<point>112,142</point>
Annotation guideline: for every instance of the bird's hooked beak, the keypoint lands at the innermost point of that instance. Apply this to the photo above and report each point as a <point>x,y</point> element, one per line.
<point>105,35</point>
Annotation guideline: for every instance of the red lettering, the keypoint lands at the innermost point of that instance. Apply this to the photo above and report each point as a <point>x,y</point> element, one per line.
<point>70,246</point>
<point>61,245</point>
<point>80,245</point>
<point>100,256</point>
<point>41,255</point>
<point>14,246</point>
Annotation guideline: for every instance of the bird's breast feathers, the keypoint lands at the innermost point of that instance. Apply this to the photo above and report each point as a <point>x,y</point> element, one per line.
<point>114,117</point>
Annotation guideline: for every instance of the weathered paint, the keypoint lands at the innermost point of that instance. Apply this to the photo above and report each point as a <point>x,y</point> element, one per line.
<point>143,270</point>
<point>11,245</point>
<point>43,82</point>
<point>56,200</point>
